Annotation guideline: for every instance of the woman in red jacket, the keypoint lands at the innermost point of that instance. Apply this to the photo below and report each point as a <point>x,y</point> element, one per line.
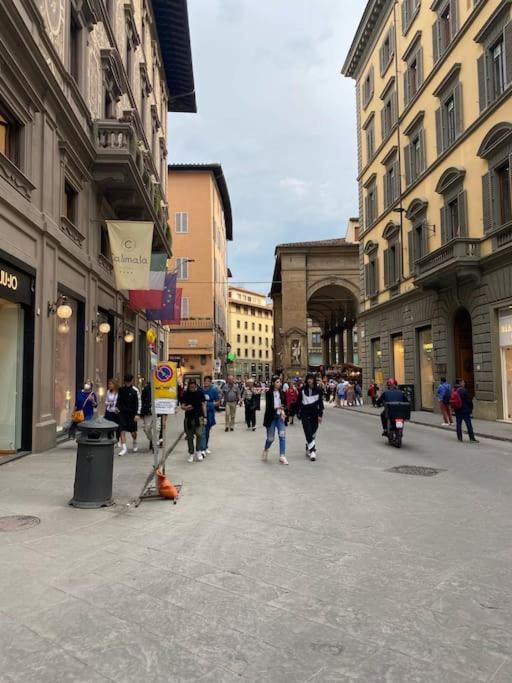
<point>292,397</point>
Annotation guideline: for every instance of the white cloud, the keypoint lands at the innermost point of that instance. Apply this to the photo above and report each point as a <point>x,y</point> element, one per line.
<point>298,187</point>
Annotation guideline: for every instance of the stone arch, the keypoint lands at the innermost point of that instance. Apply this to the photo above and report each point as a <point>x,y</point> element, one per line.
<point>450,177</point>
<point>336,281</point>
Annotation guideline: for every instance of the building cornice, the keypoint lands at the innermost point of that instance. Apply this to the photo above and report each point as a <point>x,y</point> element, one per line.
<point>365,33</point>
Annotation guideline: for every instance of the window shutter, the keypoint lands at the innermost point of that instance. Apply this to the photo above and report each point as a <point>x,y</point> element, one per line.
<point>397,263</point>
<point>487,201</point>
<point>372,82</point>
<point>396,180</point>
<point>383,122</point>
<point>405,16</point>
<point>408,165</point>
<point>454,18</point>
<point>423,151</point>
<point>445,231</point>
<point>410,249</point>
<point>482,81</point>
<point>457,101</point>
<point>436,39</point>
<point>366,214</point>
<point>439,131</point>
<point>391,42</point>
<point>419,66</point>
<point>376,283</point>
<point>387,191</point>
<point>407,82</point>
<point>386,268</point>
<point>507,41</point>
<point>462,209</point>
<point>367,279</point>
<point>381,59</point>
<point>393,99</point>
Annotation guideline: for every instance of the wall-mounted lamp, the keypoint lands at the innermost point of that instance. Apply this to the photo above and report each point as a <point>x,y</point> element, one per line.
<point>61,308</point>
<point>63,327</point>
<point>101,325</point>
<point>126,334</point>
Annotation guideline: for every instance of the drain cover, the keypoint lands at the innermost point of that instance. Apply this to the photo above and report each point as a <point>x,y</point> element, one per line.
<point>18,522</point>
<point>418,470</point>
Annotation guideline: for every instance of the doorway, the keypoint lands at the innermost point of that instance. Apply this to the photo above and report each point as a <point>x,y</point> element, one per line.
<point>463,346</point>
<point>11,369</point>
<point>425,351</point>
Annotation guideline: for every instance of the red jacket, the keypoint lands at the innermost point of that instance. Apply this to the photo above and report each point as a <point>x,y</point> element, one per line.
<point>292,396</point>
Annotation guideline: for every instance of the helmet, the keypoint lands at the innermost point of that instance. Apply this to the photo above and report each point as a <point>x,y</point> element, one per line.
<point>392,382</point>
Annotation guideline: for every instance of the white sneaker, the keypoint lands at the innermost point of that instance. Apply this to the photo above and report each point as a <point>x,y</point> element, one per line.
<point>135,449</point>
<point>119,444</point>
<point>312,456</point>
<point>199,456</point>
<point>264,456</point>
<point>123,450</point>
<point>283,460</point>
<point>207,451</point>
<point>203,453</point>
<point>190,458</point>
<point>445,424</point>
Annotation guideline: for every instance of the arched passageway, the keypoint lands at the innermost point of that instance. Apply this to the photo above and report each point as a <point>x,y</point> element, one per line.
<point>333,308</point>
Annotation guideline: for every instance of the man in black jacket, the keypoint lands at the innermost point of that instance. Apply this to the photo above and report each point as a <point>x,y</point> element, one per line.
<point>464,412</point>
<point>310,412</point>
<point>129,406</point>
<point>391,395</point>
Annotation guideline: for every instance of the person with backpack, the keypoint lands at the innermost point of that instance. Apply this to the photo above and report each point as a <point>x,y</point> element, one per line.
<point>443,393</point>
<point>462,405</point>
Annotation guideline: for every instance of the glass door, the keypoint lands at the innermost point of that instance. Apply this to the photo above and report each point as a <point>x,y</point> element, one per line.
<point>11,371</point>
<point>425,349</point>
<point>506,364</point>
<point>398,359</point>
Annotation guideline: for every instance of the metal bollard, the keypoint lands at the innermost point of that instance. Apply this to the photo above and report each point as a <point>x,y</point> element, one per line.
<point>94,464</point>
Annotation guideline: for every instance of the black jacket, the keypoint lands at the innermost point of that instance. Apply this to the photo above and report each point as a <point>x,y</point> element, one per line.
<point>467,403</point>
<point>270,410</point>
<point>390,396</point>
<point>311,402</point>
<point>128,401</point>
<point>146,400</point>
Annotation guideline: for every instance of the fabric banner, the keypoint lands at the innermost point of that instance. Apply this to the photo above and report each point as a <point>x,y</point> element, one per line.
<point>130,244</point>
<point>154,296</point>
<point>176,319</point>
<point>166,311</point>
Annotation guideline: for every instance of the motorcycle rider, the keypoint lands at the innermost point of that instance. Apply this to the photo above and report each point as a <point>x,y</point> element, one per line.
<point>391,395</point>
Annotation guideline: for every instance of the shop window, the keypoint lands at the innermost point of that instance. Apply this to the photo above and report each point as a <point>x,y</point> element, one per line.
<point>368,87</point>
<point>65,374</point>
<point>9,137</point>
<point>413,74</point>
<point>70,203</point>
<point>454,209</point>
<point>389,110</point>
<point>449,122</point>
<point>496,149</point>
<point>377,373</point>
<point>445,26</point>
<point>181,222</point>
<point>494,74</point>
<point>391,179</point>
<point>387,50</point>
<point>398,358</point>
<point>410,10</point>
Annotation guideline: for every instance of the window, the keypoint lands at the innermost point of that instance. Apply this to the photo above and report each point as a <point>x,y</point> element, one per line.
<point>414,153</point>
<point>266,341</point>
<point>253,325</point>
<point>449,125</point>
<point>181,222</point>
<point>266,328</point>
<point>246,339</point>
<point>246,325</point>
<point>105,243</point>
<point>9,137</point>
<point>504,193</point>
<point>392,255</point>
<point>238,352</point>
<point>413,74</point>
<point>70,203</point>
<point>377,373</point>
<point>494,76</point>
<point>417,238</point>
<point>132,39</point>
<point>371,204</point>
<point>113,86</point>
<point>454,209</point>
<point>260,342</point>
<point>391,180</point>
<point>371,270</point>
<point>182,268</point>
<point>387,50</point>
<point>445,26</point>
<point>75,46</point>
<point>316,339</point>
<point>409,11</point>
<point>388,111</point>
<point>266,354</point>
<point>253,353</point>
<point>369,128</point>
<point>238,324</point>
<point>259,328</point>
<point>368,87</point>
<point>260,354</point>
<point>253,340</point>
<point>185,313</point>
<point>238,338</point>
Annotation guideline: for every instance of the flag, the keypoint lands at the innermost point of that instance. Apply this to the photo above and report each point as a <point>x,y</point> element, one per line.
<point>154,296</point>
<point>130,244</point>
<point>166,311</point>
<point>177,309</point>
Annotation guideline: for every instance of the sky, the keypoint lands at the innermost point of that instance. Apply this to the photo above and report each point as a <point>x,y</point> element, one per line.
<point>275,111</point>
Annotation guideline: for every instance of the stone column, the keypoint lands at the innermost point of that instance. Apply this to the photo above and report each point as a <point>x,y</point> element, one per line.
<point>341,346</point>
<point>333,347</point>
<point>325,347</point>
<point>350,344</point>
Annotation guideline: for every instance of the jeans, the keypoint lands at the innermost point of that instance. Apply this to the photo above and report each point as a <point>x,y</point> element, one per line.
<point>310,427</point>
<point>193,429</point>
<point>206,437</point>
<point>277,423</point>
<point>230,414</point>
<point>250,416</point>
<point>459,417</point>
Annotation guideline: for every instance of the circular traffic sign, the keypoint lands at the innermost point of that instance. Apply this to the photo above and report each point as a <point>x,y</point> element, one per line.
<point>164,373</point>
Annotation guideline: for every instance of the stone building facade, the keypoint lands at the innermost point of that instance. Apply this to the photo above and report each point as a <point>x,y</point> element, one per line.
<point>85,87</point>
<point>433,91</point>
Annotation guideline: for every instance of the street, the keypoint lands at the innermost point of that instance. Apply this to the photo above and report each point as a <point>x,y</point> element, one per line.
<point>337,570</point>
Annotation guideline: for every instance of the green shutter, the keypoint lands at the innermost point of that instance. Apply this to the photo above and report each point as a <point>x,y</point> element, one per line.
<point>410,249</point>
<point>405,15</point>
<point>436,40</point>
<point>487,201</point>
<point>457,100</point>
<point>507,41</point>
<point>482,81</point>
<point>407,88</point>
<point>439,131</point>
<point>445,228</point>
<point>462,210</point>
<point>408,165</point>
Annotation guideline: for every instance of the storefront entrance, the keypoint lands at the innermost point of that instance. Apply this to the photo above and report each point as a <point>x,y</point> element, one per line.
<point>463,343</point>
<point>505,337</point>
<point>425,349</point>
<point>16,360</point>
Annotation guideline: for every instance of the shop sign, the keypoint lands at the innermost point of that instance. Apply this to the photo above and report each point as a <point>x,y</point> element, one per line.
<point>15,285</point>
<point>166,388</point>
<point>506,330</point>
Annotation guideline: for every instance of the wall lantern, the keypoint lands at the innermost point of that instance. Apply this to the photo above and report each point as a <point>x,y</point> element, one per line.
<point>126,334</point>
<point>63,327</point>
<point>61,308</point>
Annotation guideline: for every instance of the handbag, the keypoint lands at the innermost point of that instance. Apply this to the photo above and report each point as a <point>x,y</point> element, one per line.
<point>78,416</point>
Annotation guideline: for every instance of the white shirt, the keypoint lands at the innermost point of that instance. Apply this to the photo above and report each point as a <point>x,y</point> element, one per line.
<point>277,400</point>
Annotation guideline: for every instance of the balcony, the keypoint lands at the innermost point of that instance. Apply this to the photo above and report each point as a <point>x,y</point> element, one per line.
<point>125,173</point>
<point>459,259</point>
<point>193,324</point>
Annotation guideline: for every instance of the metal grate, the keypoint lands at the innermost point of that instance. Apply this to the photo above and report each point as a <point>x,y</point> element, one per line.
<point>417,470</point>
<point>18,522</point>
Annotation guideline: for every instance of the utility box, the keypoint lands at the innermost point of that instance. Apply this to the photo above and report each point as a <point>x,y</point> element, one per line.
<point>94,464</point>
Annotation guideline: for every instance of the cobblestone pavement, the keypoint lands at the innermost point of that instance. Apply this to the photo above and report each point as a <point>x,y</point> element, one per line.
<point>337,570</point>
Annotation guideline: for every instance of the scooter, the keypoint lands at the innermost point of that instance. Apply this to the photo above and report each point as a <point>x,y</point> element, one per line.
<point>397,414</point>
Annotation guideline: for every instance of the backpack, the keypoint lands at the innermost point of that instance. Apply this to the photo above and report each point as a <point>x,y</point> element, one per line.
<point>455,400</point>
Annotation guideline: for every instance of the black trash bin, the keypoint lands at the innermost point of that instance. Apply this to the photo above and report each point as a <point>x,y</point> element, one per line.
<point>94,464</point>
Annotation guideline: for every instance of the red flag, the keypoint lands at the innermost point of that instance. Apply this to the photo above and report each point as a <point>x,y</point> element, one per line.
<point>154,296</point>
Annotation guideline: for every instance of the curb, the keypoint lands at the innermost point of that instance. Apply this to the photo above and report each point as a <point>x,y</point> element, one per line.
<point>504,439</point>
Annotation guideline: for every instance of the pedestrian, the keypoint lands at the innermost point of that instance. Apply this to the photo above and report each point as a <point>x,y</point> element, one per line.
<point>350,394</point>
<point>274,419</point>
<point>250,404</point>
<point>111,409</point>
<point>359,394</point>
<point>462,405</point>
<point>212,396</point>
<point>146,414</point>
<point>443,393</point>
<point>232,398</point>
<point>311,410</point>
<point>85,404</point>
<point>332,390</point>
<point>193,402</point>
<point>292,396</point>
<point>130,405</point>
<point>373,391</point>
<point>341,394</point>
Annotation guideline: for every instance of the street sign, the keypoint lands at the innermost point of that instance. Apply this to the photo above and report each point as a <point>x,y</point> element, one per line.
<point>166,388</point>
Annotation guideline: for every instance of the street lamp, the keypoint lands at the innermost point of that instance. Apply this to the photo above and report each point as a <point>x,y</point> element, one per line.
<point>61,308</point>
